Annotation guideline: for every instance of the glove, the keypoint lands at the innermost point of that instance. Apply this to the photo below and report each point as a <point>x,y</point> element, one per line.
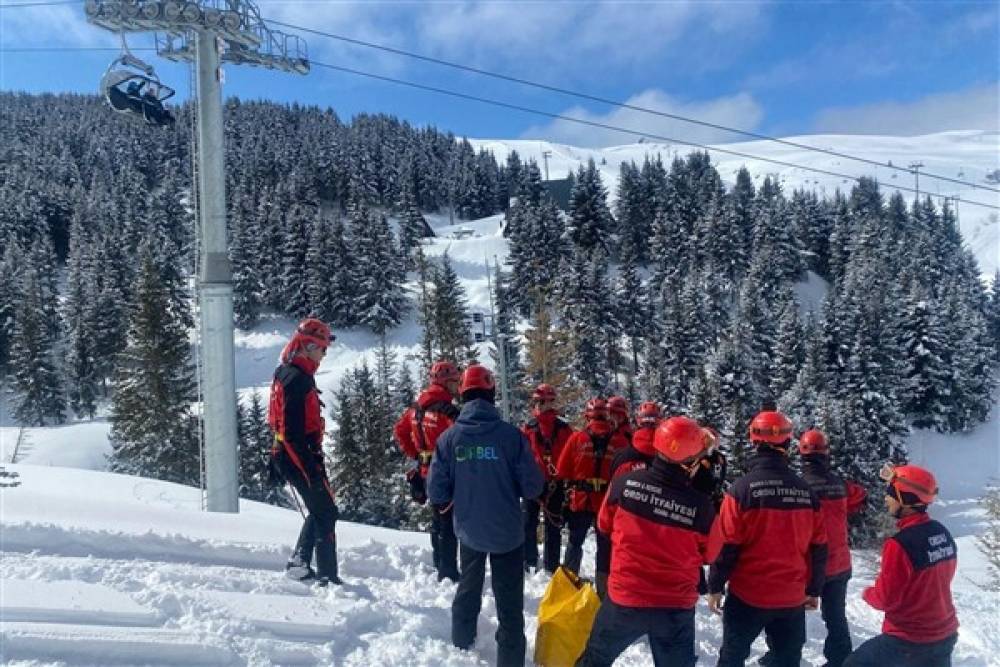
<point>418,488</point>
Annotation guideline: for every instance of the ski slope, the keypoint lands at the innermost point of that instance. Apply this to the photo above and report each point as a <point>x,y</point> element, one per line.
<point>964,155</point>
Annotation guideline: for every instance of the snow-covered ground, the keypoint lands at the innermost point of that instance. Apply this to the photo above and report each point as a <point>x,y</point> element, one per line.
<point>967,155</point>
<point>99,568</point>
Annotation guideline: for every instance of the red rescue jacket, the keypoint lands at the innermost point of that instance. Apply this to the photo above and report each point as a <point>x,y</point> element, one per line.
<point>913,587</point>
<point>837,501</point>
<point>296,418</point>
<point>585,463</point>
<point>548,434</point>
<point>420,426</point>
<point>659,527</point>
<point>773,550</point>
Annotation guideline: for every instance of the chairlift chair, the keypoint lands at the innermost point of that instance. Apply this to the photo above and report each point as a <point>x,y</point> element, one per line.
<point>131,87</point>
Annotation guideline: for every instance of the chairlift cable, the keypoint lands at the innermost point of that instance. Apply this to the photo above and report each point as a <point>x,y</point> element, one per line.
<point>623,105</point>
<point>628,131</point>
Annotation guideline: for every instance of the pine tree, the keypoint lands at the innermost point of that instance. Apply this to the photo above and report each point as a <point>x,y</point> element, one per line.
<point>78,314</point>
<point>789,353</point>
<point>927,378</point>
<point>548,353</point>
<point>992,315</point>
<point>9,290</point>
<point>506,335</point>
<point>450,315</point>
<point>631,315</point>
<point>380,301</point>
<point>152,431</point>
<point>590,218</point>
<point>36,385</point>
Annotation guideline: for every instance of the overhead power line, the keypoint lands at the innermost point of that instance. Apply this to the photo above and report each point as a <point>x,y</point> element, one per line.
<point>616,103</point>
<point>60,49</point>
<point>616,128</point>
<point>48,3</point>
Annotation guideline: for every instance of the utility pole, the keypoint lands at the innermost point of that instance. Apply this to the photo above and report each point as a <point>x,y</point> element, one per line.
<point>545,159</point>
<point>916,167</point>
<point>209,32</point>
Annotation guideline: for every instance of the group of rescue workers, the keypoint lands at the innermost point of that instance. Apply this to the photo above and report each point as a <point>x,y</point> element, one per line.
<point>774,540</point>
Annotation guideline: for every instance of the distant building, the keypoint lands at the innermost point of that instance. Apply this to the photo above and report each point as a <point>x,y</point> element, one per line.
<point>559,192</point>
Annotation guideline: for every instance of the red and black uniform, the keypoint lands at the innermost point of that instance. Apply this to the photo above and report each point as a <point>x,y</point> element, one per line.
<point>639,453</point>
<point>659,526</point>
<point>913,588</point>
<point>295,416</point>
<point>585,465</point>
<point>773,554</point>
<point>837,500</point>
<point>547,434</point>
<point>417,433</point>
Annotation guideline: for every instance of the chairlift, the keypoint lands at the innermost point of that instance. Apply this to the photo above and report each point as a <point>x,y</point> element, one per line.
<point>131,87</point>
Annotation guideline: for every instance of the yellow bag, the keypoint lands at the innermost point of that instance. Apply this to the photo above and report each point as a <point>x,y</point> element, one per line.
<point>565,617</point>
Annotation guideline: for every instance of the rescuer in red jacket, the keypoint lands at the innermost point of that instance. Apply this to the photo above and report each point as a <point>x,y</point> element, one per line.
<point>547,433</point>
<point>913,586</point>
<point>618,414</point>
<point>773,553</point>
<point>837,500</point>
<point>659,526</point>
<point>417,432</point>
<point>585,465</point>
<point>640,452</point>
<point>296,419</point>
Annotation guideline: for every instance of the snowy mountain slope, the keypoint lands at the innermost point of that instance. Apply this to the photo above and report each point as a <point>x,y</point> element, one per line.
<point>964,155</point>
<point>99,568</point>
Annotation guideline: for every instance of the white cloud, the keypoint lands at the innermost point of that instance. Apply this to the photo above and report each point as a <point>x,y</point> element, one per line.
<point>975,108</point>
<point>739,110</point>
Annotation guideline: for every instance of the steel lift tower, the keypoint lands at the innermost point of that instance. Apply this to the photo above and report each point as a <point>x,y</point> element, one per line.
<point>210,32</point>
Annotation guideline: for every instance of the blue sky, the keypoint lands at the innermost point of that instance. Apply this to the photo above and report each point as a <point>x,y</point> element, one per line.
<point>775,67</point>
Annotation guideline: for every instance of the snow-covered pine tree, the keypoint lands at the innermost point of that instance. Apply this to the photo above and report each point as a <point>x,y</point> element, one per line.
<point>450,315</point>
<point>927,376</point>
<point>244,255</point>
<point>590,217</point>
<point>37,381</point>
<point>789,349</point>
<point>506,317</point>
<point>549,353</point>
<point>153,433</point>
<point>77,309</point>
<point>380,300</point>
<point>9,291</point>
<point>298,219</point>
<point>992,315</point>
<point>631,314</point>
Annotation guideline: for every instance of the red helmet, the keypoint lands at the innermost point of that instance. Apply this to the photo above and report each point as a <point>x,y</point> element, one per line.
<point>543,393</point>
<point>617,405</point>
<point>443,372</point>
<point>648,414</point>
<point>771,427</point>
<point>680,439</point>
<point>477,377</point>
<point>597,408</point>
<point>813,442</point>
<point>908,483</point>
<point>315,331</point>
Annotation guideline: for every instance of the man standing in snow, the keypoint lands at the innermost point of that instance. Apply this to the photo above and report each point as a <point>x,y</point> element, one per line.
<point>417,433</point>
<point>298,426</point>
<point>658,555</point>
<point>640,451</point>
<point>547,433</point>
<point>913,587</point>
<point>482,468</point>
<point>618,410</point>
<point>585,464</point>
<point>773,553</point>
<point>837,500</point>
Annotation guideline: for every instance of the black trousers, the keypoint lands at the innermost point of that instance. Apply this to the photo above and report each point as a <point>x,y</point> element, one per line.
<point>444,544</point>
<point>507,570</point>
<point>885,650</point>
<point>551,505</point>
<point>670,631</point>
<point>579,524</point>
<point>741,623</point>
<point>833,604</point>
<point>317,536</point>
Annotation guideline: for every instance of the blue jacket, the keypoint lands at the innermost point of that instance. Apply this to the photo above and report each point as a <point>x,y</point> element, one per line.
<point>485,466</point>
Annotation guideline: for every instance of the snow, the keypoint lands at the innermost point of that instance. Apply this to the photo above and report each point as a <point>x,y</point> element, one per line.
<point>964,155</point>
<point>100,568</point>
